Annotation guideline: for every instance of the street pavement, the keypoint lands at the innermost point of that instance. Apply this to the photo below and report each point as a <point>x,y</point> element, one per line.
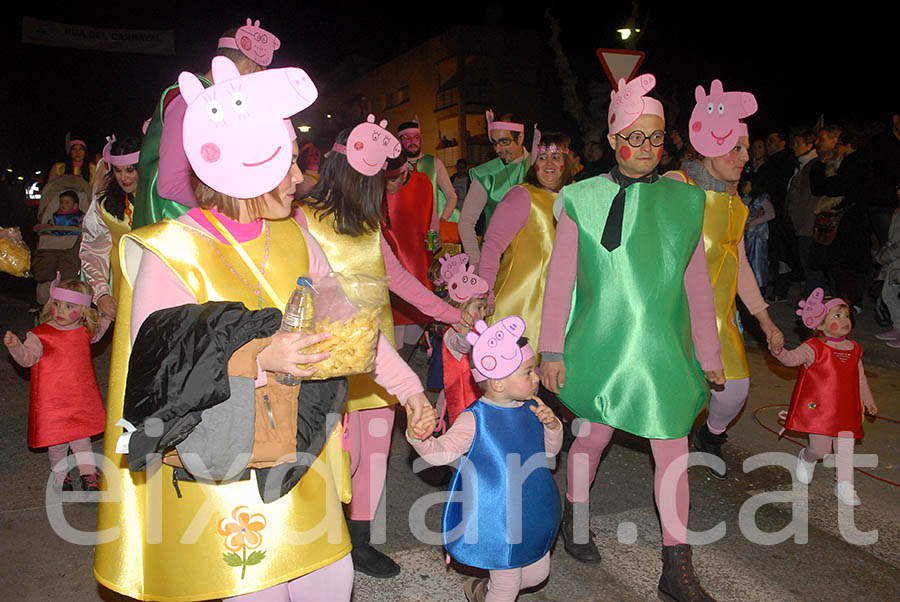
<point>779,543</point>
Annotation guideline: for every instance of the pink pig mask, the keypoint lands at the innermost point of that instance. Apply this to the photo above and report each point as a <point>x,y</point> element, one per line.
<point>629,102</point>
<point>236,133</point>
<point>813,311</point>
<point>714,126</point>
<point>369,146</point>
<point>254,42</point>
<point>462,283</point>
<point>495,349</point>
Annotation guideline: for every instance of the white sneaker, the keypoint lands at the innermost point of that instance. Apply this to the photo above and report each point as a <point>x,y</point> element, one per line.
<point>805,469</point>
<point>846,494</point>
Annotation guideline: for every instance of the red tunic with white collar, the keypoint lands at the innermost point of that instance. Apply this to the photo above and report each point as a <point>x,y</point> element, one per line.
<point>826,397</point>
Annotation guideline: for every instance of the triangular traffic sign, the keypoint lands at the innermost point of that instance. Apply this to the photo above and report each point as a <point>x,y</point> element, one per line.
<point>620,63</point>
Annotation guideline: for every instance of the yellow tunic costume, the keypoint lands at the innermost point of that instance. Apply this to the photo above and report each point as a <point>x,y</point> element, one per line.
<point>209,543</point>
<point>117,229</point>
<point>723,227</point>
<point>359,255</point>
<point>519,288</point>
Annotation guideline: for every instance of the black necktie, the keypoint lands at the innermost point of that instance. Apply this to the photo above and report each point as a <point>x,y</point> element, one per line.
<point>612,231</point>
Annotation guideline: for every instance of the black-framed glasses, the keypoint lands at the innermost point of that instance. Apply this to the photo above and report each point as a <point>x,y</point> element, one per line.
<point>637,137</point>
<point>504,142</point>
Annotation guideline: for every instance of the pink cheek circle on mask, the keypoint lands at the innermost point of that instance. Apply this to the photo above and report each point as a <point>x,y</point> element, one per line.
<point>697,126</point>
<point>210,152</point>
<point>489,362</point>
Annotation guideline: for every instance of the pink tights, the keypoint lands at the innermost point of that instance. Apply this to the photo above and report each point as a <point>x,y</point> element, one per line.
<point>505,585</point>
<point>83,452</point>
<point>332,583</point>
<point>725,405</point>
<point>369,440</point>
<point>822,445</point>
<point>584,457</point>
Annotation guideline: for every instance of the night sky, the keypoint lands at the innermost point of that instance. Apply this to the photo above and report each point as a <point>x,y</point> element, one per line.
<point>797,59</point>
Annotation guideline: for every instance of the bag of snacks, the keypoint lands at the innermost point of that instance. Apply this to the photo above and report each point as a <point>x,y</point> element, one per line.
<point>15,257</point>
<point>349,306</point>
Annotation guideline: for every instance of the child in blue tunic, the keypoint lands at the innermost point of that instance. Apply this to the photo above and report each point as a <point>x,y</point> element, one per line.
<point>504,508</point>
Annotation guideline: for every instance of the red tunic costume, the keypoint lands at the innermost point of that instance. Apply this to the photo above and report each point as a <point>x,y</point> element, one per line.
<point>410,211</point>
<point>460,388</point>
<point>65,398</point>
<point>826,397</point>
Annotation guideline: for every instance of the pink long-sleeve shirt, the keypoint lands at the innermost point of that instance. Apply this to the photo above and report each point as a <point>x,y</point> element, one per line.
<point>31,350</point>
<point>174,179</point>
<point>157,287</point>
<point>561,282</point>
<point>806,355</point>
<point>405,285</point>
<point>511,215</point>
<point>458,438</point>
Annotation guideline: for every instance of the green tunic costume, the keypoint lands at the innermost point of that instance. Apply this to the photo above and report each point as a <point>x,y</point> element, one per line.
<point>425,165</point>
<point>629,354</point>
<point>149,206</point>
<point>497,178</point>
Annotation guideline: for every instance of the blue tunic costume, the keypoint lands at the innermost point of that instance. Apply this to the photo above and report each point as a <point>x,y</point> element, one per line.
<point>497,518</point>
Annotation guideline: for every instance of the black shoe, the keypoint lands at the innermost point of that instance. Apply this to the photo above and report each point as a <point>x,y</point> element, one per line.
<point>68,484</point>
<point>367,559</point>
<point>678,582</point>
<point>582,552</point>
<point>706,441</point>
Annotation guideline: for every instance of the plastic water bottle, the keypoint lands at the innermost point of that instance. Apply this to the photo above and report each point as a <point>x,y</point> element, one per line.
<point>298,317</point>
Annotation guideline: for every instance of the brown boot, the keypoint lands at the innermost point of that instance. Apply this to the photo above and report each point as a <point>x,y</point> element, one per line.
<point>678,582</point>
<point>583,552</point>
<point>475,589</point>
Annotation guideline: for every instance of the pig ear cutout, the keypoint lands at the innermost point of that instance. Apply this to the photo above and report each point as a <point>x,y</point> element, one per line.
<point>370,118</point>
<point>471,337</point>
<point>716,87</point>
<point>189,86</point>
<point>223,69</point>
<point>383,123</point>
<point>699,94</point>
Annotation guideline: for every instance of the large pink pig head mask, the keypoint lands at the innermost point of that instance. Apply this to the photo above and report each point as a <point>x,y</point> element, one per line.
<point>495,349</point>
<point>715,126</point>
<point>462,283</point>
<point>237,135</point>
<point>369,146</point>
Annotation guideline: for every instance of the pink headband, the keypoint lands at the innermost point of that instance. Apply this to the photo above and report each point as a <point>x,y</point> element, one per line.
<point>537,147</point>
<point>495,349</point>
<point>254,42</point>
<point>64,294</point>
<point>119,160</point>
<point>462,283</point>
<point>501,125</point>
<point>813,311</point>
<point>369,146</point>
<point>411,130</point>
<point>70,143</point>
<point>629,102</point>
<point>715,125</point>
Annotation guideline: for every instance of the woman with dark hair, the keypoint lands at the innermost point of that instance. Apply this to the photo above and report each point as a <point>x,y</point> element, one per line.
<point>106,220</point>
<point>524,234</point>
<point>344,215</point>
<point>76,161</point>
